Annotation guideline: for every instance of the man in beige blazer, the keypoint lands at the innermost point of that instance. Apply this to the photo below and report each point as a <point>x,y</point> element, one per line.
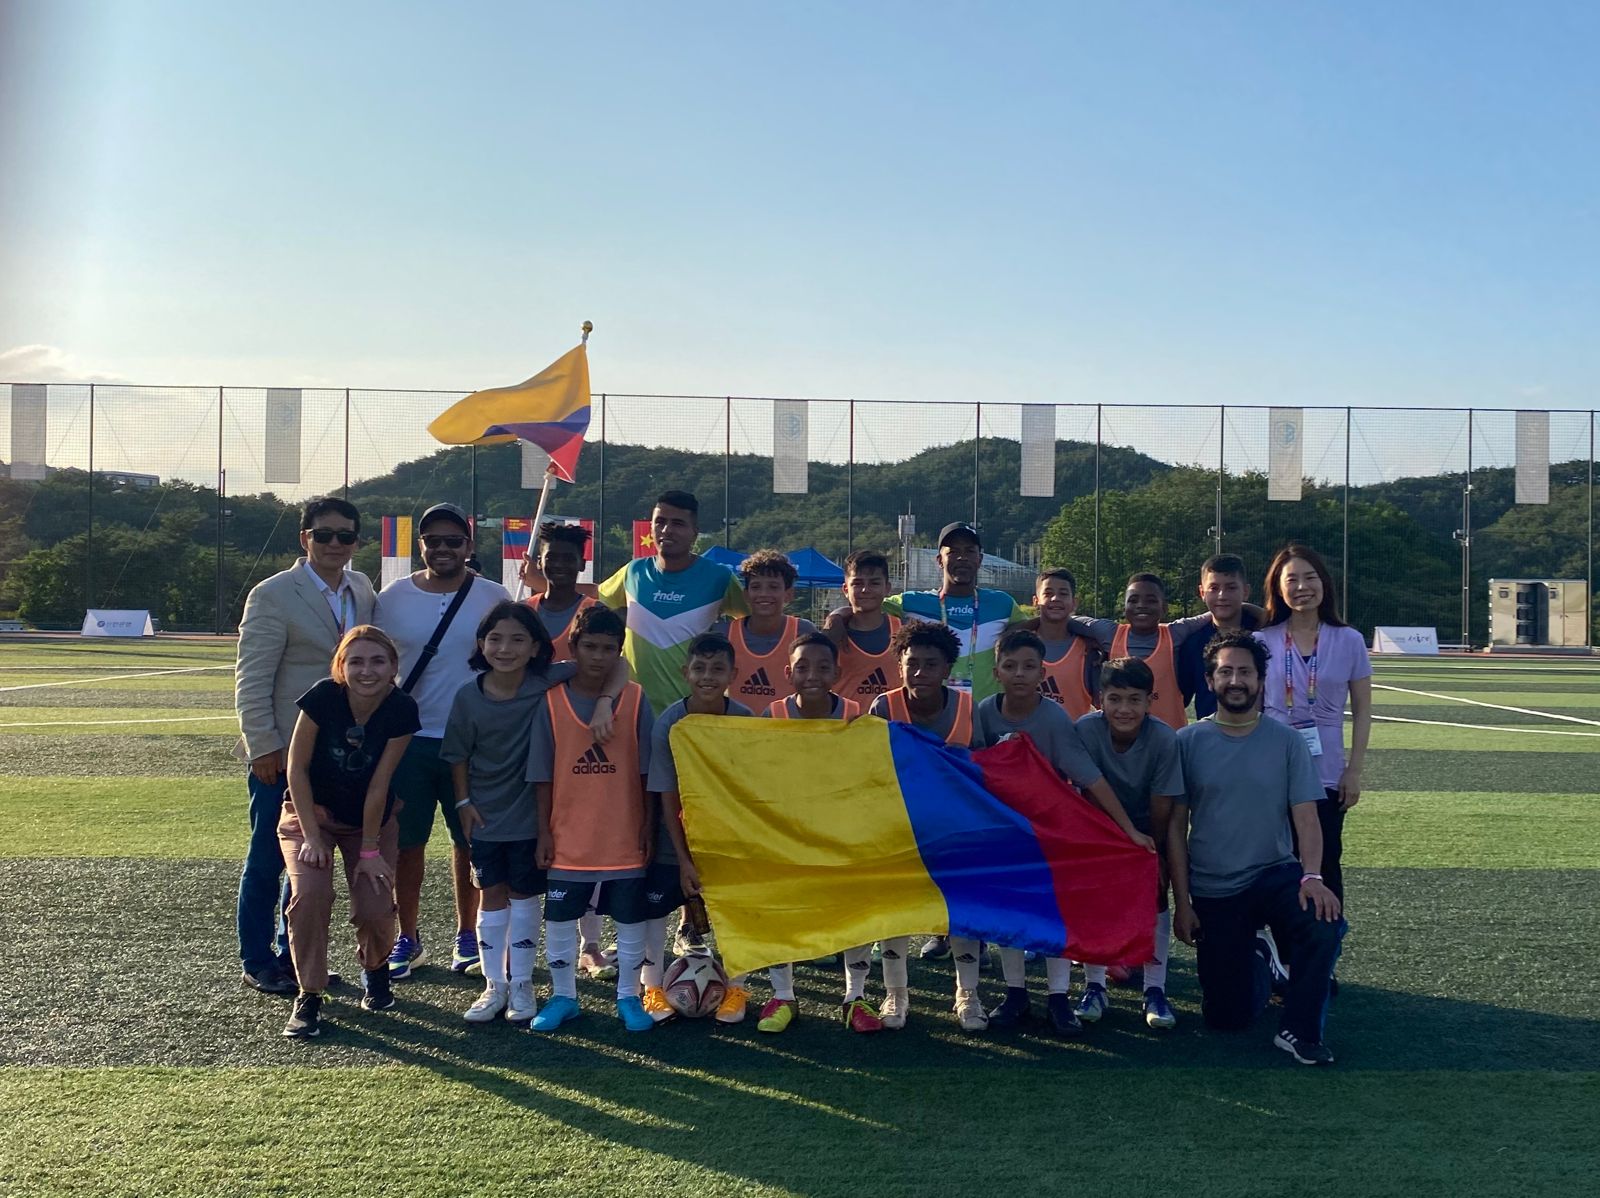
<point>292,624</point>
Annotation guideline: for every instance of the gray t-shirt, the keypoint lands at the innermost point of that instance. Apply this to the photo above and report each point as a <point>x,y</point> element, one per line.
<point>1149,766</point>
<point>1140,644</point>
<point>542,739</point>
<point>491,736</point>
<point>873,641</point>
<point>409,615</point>
<point>1239,790</point>
<point>556,619</point>
<point>940,725</point>
<point>1049,727</point>
<point>664,770</point>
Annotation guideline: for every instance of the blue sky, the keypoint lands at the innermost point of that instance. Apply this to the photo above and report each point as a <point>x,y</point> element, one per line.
<point>1297,203</point>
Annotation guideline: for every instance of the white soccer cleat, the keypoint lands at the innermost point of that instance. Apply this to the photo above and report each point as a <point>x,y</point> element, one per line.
<point>969,1012</point>
<point>523,1003</point>
<point>490,1003</point>
<point>896,1006</point>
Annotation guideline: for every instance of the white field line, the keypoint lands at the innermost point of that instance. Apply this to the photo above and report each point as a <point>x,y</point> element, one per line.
<point>1549,715</point>
<point>177,719</point>
<point>33,686</point>
<point>67,665</point>
<point>1583,669</point>
<point>1396,719</point>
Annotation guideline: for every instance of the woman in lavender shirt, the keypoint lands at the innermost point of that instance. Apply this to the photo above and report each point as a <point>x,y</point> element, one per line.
<point>1316,661</point>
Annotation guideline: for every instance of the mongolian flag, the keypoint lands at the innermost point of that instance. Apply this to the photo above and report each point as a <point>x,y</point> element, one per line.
<point>644,539</point>
<point>551,410</point>
<point>515,534</point>
<point>812,836</point>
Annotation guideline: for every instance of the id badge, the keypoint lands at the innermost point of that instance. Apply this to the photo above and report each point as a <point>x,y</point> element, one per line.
<point>1312,737</point>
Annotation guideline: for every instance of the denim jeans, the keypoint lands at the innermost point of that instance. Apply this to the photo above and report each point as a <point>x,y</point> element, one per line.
<point>263,884</point>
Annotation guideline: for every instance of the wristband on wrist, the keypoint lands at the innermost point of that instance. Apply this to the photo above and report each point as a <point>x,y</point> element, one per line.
<point>463,803</point>
<point>369,854</point>
<point>1304,878</point>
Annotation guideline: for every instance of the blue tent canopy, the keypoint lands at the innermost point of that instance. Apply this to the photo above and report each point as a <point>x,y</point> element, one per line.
<point>724,556</point>
<point>814,569</point>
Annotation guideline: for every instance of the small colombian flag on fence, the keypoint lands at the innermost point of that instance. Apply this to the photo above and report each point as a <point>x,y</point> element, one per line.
<point>814,836</point>
<point>396,539</point>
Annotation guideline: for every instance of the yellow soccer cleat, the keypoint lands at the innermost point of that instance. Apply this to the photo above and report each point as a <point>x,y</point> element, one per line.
<point>777,1015</point>
<point>656,1005</point>
<point>733,1004</point>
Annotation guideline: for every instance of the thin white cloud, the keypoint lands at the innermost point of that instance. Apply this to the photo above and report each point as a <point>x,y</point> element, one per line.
<point>46,364</point>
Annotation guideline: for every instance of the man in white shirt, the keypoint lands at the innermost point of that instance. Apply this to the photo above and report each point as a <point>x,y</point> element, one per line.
<point>410,610</point>
<point>291,625</point>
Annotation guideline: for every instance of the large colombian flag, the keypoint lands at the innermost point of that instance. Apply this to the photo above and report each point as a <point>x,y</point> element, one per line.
<point>551,409</point>
<point>813,836</point>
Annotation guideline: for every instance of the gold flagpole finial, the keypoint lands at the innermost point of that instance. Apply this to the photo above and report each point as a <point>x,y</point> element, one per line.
<point>588,327</point>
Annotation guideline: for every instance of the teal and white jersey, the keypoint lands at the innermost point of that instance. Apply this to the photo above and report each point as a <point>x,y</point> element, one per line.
<point>977,620</point>
<point>666,611</point>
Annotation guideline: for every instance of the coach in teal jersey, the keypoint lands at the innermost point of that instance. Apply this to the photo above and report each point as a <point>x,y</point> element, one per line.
<point>975,614</point>
<point>670,599</point>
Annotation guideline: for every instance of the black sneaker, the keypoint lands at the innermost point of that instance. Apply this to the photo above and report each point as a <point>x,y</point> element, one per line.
<point>378,996</point>
<point>270,980</point>
<point>1014,1009</point>
<point>935,948</point>
<point>1063,1018</point>
<point>306,1021</point>
<point>1305,1051</point>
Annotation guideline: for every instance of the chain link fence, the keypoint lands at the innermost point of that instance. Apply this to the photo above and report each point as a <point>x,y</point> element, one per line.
<point>178,499</point>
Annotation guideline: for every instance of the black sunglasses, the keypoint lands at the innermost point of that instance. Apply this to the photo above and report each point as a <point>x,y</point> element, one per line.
<point>323,535</point>
<point>356,759</point>
<point>444,542</point>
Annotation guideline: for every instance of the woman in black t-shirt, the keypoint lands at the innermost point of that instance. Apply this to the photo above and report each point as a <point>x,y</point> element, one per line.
<point>352,730</point>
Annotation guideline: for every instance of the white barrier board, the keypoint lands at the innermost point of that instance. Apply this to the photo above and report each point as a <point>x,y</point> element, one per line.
<point>1418,641</point>
<point>99,622</point>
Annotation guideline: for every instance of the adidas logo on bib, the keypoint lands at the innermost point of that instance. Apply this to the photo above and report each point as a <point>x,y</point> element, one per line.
<point>594,761</point>
<point>874,683</point>
<point>1050,690</point>
<point>759,684</point>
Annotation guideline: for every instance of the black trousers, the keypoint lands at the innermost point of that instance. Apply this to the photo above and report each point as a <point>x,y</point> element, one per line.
<point>1330,815</point>
<point>1231,984</point>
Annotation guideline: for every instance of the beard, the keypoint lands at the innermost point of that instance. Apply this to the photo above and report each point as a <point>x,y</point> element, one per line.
<point>1238,700</point>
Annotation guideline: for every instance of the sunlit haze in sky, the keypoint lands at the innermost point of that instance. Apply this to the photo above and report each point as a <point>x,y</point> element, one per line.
<point>1352,203</point>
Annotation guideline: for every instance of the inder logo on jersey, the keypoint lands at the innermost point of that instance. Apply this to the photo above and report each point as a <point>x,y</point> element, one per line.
<point>759,684</point>
<point>594,761</point>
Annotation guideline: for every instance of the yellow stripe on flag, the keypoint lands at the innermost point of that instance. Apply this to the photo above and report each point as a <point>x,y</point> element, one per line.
<point>801,837</point>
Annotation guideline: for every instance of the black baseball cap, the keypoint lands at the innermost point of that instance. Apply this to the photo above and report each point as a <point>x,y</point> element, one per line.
<point>959,529</point>
<point>445,511</point>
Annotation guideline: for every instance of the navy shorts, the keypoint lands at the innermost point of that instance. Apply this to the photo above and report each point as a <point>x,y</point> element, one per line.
<point>624,899</point>
<point>510,863</point>
<point>662,893</point>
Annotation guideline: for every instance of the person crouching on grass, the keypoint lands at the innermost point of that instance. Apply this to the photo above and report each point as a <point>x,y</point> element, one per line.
<point>594,820</point>
<point>352,729</point>
<point>486,745</point>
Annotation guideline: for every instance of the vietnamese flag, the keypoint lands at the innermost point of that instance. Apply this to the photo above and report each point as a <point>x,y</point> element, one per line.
<point>644,539</point>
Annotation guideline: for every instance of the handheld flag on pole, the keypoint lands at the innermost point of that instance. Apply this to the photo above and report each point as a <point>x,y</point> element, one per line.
<point>551,409</point>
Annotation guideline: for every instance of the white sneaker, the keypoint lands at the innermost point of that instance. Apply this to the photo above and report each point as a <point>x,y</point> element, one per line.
<point>896,1006</point>
<point>490,1003</point>
<point>969,1011</point>
<point>523,1003</point>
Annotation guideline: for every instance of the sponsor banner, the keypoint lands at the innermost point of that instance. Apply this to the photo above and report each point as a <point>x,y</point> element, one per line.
<point>1285,454</point>
<point>106,622</point>
<point>1533,457</point>
<point>1422,642</point>
<point>29,404</point>
<point>281,463</point>
<point>1038,451</point>
<point>790,444</point>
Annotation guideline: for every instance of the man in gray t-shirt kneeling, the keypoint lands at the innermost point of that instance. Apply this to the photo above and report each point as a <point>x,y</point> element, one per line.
<point>1232,858</point>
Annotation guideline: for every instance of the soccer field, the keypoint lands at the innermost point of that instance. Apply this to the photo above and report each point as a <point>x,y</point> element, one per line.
<point>133,1062</point>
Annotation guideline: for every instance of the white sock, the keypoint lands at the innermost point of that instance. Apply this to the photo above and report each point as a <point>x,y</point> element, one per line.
<point>492,944</point>
<point>966,954</point>
<point>523,933</point>
<point>894,962</point>
<point>630,955</point>
<point>1014,967</point>
<point>1095,975</point>
<point>561,954</point>
<point>857,965</point>
<point>590,928</point>
<point>782,977</point>
<point>1058,973</point>
<point>653,971</point>
<point>1155,969</point>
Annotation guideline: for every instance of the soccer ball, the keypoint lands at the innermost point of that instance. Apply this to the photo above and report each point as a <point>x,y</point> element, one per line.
<point>695,985</point>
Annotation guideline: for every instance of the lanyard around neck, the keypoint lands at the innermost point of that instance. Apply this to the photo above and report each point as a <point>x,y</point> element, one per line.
<point>1290,652</point>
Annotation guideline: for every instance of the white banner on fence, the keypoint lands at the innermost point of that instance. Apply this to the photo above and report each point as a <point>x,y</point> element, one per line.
<point>1417,641</point>
<point>1285,456</point>
<point>98,622</point>
<point>29,405</point>
<point>282,459</point>
<point>1533,457</point>
<point>534,463</point>
<point>1038,451</point>
<point>791,441</point>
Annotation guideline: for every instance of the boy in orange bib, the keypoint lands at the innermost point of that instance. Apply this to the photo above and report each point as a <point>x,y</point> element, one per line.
<point>867,663</point>
<point>594,820</point>
<point>761,640</point>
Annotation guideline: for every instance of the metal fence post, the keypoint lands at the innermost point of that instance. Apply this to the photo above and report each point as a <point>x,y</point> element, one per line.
<point>850,485</point>
<point>1588,626</point>
<point>1466,544</point>
<point>977,450</point>
<point>222,484</point>
<point>1222,466</point>
<point>727,458</point>
<point>1344,553</point>
<point>600,518</point>
<point>347,442</point>
<point>88,545</point>
<point>1098,412</point>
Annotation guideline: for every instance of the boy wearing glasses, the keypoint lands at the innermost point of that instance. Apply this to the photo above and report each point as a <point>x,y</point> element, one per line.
<point>292,624</point>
